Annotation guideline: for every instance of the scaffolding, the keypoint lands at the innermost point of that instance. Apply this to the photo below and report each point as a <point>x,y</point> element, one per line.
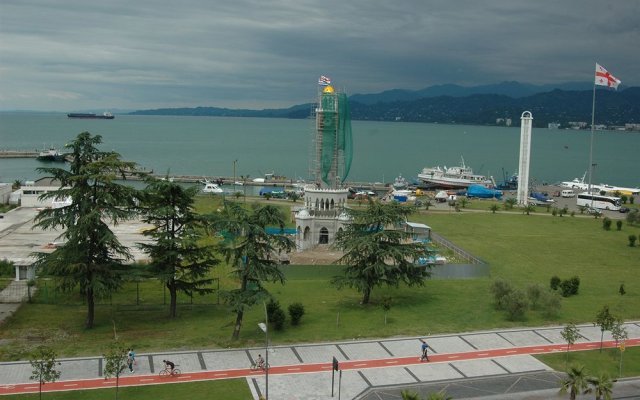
<point>333,143</point>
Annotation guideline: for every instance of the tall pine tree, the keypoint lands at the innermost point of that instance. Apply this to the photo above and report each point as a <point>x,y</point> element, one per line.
<point>91,257</point>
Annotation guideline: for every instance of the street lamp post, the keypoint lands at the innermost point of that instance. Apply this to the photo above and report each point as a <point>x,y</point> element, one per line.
<point>265,329</point>
<point>234,176</point>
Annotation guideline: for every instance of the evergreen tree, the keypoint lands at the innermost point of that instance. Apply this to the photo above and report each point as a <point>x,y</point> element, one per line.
<point>251,252</point>
<point>177,257</point>
<point>377,251</point>
<point>92,255</point>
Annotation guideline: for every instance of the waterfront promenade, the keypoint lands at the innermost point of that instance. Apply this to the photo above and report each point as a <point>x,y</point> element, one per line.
<point>467,365</point>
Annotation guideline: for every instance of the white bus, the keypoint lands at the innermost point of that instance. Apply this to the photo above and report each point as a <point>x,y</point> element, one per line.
<point>598,201</point>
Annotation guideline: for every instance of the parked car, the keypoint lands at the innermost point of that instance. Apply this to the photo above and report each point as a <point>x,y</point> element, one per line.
<point>624,209</point>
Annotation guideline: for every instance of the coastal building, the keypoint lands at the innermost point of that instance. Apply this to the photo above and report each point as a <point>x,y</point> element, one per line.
<point>323,216</point>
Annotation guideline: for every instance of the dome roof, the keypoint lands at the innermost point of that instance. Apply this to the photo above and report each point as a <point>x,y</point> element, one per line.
<point>344,216</point>
<point>328,89</point>
<point>303,214</point>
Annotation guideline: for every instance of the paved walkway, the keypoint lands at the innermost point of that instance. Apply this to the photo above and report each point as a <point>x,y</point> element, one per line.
<point>370,368</point>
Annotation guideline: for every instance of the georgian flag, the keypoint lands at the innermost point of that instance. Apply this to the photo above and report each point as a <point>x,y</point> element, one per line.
<point>324,81</point>
<point>604,78</point>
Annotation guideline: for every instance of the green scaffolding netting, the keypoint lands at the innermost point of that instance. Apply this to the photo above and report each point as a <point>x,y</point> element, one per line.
<point>337,142</point>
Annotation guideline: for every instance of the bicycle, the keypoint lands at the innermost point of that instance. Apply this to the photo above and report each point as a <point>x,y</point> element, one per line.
<point>168,372</point>
<point>263,366</point>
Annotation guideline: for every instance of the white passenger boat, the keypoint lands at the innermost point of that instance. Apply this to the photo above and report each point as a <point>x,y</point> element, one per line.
<point>460,176</point>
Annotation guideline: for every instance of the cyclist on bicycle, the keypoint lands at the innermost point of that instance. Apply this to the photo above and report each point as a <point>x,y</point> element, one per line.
<point>169,366</point>
<point>260,361</point>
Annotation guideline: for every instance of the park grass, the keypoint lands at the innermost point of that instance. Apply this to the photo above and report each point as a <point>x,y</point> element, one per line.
<point>229,389</point>
<point>523,249</point>
<point>596,362</point>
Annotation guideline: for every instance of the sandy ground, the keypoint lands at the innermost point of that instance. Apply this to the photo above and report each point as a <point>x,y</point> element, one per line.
<point>321,255</point>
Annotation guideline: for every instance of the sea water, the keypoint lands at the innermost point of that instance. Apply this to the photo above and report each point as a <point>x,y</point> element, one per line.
<point>216,146</point>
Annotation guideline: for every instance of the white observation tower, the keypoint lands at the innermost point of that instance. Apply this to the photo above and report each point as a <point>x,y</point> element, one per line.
<point>525,157</point>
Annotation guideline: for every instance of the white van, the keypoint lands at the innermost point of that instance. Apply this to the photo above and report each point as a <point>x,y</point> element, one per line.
<point>567,193</point>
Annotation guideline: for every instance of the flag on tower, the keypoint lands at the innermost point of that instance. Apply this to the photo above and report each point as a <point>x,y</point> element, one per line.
<point>324,81</point>
<point>604,78</point>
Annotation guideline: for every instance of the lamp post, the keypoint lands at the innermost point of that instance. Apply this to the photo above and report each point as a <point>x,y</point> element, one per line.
<point>265,329</point>
<point>234,176</point>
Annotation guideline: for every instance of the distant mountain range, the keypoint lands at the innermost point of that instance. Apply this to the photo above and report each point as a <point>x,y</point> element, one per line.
<point>479,105</point>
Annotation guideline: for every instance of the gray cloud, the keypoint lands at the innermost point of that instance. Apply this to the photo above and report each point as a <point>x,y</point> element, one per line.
<point>80,54</point>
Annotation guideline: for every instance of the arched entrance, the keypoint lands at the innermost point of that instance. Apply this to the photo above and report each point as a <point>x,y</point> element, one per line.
<point>324,236</point>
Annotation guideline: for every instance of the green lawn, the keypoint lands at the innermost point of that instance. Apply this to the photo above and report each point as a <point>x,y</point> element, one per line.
<point>522,249</point>
<point>230,389</point>
<point>595,361</point>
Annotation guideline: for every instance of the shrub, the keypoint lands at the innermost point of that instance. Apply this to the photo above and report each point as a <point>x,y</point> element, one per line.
<point>272,306</point>
<point>606,224</point>
<point>570,287</point>
<point>575,284</point>
<point>565,288</point>
<point>278,319</point>
<point>515,304</point>
<point>275,314</point>
<point>550,303</point>
<point>534,292</point>
<point>619,224</point>
<point>555,282</point>
<point>632,216</point>
<point>7,268</point>
<point>632,240</point>
<point>296,311</point>
<point>500,289</point>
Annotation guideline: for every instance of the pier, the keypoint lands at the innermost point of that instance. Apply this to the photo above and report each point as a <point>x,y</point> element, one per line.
<point>18,154</point>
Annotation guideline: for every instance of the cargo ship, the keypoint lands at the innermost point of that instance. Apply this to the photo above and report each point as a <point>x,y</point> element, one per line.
<point>106,115</point>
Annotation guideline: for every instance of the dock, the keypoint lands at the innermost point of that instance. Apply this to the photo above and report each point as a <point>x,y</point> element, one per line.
<point>18,154</point>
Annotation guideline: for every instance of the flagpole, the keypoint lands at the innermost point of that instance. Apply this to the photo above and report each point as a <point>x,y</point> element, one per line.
<point>593,113</point>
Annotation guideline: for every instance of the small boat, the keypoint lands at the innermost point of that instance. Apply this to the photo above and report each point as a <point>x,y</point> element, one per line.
<point>104,115</point>
<point>510,183</point>
<point>210,187</point>
<point>540,199</point>
<point>482,192</point>
<point>50,155</point>
<point>460,176</point>
<point>400,183</point>
<point>603,187</point>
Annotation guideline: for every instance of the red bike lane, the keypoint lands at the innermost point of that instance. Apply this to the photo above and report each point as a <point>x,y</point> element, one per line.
<point>140,380</point>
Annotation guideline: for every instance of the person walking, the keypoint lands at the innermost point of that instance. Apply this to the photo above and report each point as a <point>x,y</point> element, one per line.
<point>131,360</point>
<point>424,347</point>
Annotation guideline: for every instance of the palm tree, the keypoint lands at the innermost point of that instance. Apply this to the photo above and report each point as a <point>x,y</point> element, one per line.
<point>602,386</point>
<point>575,382</point>
<point>528,209</point>
<point>510,202</point>
<point>441,395</point>
<point>407,395</point>
<point>494,208</point>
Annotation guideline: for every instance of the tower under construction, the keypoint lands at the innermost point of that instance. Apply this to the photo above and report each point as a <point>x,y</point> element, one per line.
<point>322,215</point>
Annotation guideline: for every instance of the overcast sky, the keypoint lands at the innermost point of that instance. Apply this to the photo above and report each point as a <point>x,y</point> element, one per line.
<point>65,55</point>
